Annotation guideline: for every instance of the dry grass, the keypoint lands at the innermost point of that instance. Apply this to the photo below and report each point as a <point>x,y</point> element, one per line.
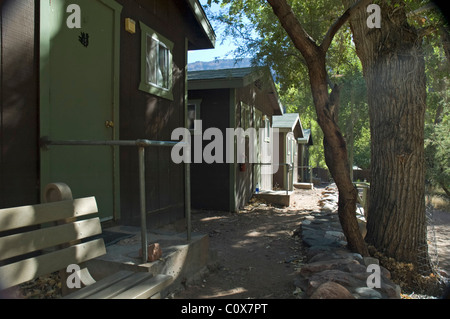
<point>408,278</point>
<point>440,203</point>
<point>438,199</point>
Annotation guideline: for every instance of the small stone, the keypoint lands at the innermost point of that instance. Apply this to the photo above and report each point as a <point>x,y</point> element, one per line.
<point>330,198</point>
<point>331,290</point>
<point>371,261</point>
<point>335,235</point>
<point>391,290</point>
<point>338,276</point>
<point>323,265</point>
<point>328,208</point>
<point>367,293</point>
<point>297,291</point>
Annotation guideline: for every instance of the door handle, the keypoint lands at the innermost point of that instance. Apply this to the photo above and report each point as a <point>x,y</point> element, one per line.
<point>109,124</point>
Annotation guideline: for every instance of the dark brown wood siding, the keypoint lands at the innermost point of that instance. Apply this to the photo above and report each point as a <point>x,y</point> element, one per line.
<point>210,183</point>
<point>145,116</point>
<point>19,152</point>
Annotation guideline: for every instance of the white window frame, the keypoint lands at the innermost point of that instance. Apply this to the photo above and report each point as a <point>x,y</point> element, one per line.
<point>150,60</point>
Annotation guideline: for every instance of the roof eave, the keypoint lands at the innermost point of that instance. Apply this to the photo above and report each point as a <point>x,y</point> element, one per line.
<point>203,22</point>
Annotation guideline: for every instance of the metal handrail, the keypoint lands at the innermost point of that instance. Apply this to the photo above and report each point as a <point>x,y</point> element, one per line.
<point>141,144</point>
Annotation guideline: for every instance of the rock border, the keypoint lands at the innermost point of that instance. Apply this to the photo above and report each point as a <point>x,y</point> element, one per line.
<point>332,271</point>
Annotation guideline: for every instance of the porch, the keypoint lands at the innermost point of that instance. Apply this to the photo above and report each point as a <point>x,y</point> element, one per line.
<point>181,259</point>
<point>275,197</point>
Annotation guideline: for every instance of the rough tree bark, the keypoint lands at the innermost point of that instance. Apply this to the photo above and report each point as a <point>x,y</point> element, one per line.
<point>334,143</point>
<point>394,70</point>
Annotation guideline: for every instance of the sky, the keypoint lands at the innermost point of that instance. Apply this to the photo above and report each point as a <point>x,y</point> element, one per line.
<point>220,50</point>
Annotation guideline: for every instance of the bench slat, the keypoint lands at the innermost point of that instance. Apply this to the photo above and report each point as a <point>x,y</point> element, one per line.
<point>99,285</point>
<point>18,217</point>
<point>23,243</point>
<point>121,286</point>
<point>28,269</point>
<point>146,288</point>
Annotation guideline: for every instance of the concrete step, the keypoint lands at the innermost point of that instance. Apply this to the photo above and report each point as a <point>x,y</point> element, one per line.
<point>180,259</point>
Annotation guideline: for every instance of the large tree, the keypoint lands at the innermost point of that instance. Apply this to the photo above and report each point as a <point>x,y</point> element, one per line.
<point>394,69</point>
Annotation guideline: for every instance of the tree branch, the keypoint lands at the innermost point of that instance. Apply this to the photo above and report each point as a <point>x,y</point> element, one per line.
<point>340,22</point>
<point>301,39</point>
<point>428,6</point>
<point>426,31</point>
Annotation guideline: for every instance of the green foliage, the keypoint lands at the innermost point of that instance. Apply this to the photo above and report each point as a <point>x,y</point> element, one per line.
<point>298,101</point>
<point>258,34</point>
<point>437,151</point>
<point>362,149</point>
<point>437,126</point>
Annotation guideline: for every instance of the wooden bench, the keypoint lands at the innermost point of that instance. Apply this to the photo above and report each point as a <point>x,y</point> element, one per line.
<point>41,239</point>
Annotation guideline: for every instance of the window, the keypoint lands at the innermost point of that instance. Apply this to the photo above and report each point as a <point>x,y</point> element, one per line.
<point>156,63</point>
<point>157,71</point>
<point>193,113</point>
<point>266,129</point>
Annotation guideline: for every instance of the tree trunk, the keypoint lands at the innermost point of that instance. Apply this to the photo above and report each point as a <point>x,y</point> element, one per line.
<point>326,106</point>
<point>336,158</point>
<point>394,70</point>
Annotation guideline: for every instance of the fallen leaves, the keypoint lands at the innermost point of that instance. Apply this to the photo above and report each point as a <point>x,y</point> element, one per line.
<point>45,287</point>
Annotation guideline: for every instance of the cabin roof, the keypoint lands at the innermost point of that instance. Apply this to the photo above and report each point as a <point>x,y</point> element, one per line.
<point>236,78</point>
<point>205,37</point>
<point>223,78</point>
<point>307,139</point>
<point>288,122</point>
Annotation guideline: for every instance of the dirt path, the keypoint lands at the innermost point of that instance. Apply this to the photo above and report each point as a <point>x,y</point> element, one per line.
<point>440,238</point>
<point>257,252</point>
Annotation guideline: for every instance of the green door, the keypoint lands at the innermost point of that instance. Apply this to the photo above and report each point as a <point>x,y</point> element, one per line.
<point>79,98</point>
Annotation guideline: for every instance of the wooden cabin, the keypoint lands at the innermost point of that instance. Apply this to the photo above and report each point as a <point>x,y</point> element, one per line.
<point>290,130</point>
<point>304,165</point>
<point>97,70</point>
<point>231,98</point>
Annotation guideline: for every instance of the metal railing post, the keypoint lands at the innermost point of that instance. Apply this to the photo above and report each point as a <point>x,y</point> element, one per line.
<point>143,206</point>
<point>187,192</point>
<point>288,168</point>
